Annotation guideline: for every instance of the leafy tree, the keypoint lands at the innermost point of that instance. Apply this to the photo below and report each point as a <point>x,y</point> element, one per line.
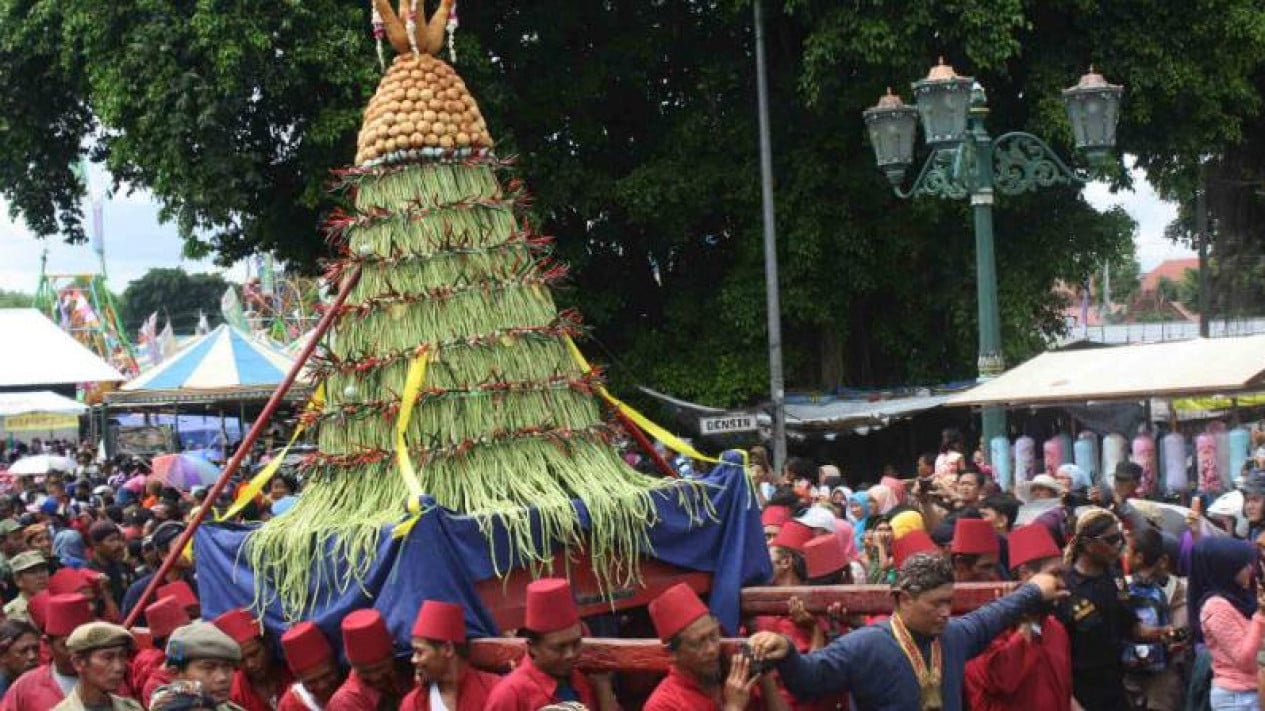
<point>1126,279</point>
<point>1188,289</point>
<point>173,294</point>
<point>635,127</point>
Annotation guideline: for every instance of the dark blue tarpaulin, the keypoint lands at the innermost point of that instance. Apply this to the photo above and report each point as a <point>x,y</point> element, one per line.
<point>445,555</point>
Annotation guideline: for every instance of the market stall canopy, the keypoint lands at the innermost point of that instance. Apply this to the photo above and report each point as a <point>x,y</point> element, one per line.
<point>39,411</point>
<point>40,353</point>
<point>40,401</point>
<point>222,366</point>
<point>1135,372</point>
<point>858,415</point>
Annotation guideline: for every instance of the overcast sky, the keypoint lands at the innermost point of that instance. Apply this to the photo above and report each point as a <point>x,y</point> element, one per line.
<point>135,241</point>
<point>1151,213</point>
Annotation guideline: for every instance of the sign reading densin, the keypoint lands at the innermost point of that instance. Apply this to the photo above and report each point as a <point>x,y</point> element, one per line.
<point>725,424</point>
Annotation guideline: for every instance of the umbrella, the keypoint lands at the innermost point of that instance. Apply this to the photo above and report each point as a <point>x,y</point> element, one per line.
<point>183,471</point>
<point>136,484</point>
<point>1032,510</point>
<point>1171,518</point>
<point>41,464</point>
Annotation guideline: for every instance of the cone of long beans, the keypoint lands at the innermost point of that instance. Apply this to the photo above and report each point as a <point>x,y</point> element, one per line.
<point>506,421</point>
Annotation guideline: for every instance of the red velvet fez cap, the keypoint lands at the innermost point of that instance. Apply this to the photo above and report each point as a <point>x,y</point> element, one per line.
<point>440,622</point>
<point>674,610</point>
<point>974,536</point>
<point>305,647</point>
<point>65,613</point>
<point>913,542</point>
<point>1030,543</point>
<point>179,590</point>
<point>37,608</point>
<point>67,581</point>
<point>238,624</point>
<point>792,536</point>
<point>824,555</point>
<point>165,616</point>
<point>775,516</point>
<point>550,606</point>
<point>365,638</point>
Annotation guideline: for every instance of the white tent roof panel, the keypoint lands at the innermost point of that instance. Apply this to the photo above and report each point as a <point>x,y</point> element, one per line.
<point>40,353</point>
<point>39,401</point>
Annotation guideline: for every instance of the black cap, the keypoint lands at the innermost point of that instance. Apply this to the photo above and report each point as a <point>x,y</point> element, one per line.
<point>166,533</point>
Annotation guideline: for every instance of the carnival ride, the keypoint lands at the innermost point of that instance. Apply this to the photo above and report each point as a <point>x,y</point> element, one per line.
<point>280,308</point>
<point>82,306</point>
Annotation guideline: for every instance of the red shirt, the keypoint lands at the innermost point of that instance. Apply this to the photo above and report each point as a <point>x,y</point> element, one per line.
<point>355,695</point>
<point>244,694</point>
<point>527,689</point>
<point>35,690</point>
<point>473,690</point>
<point>161,676</point>
<point>1015,673</point>
<point>679,691</point>
<point>783,625</point>
<point>143,665</point>
<point>292,701</point>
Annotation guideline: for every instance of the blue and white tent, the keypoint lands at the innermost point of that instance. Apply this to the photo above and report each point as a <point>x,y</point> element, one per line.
<point>225,364</point>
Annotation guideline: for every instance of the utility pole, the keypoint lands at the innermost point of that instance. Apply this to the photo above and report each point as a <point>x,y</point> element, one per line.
<point>776,386</point>
<point>1201,228</point>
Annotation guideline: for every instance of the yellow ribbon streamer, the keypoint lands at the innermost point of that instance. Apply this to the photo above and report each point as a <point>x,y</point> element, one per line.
<point>412,387</point>
<point>260,480</point>
<point>670,440</point>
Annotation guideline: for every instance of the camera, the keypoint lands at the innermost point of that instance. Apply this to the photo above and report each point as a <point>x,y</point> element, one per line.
<point>757,667</point>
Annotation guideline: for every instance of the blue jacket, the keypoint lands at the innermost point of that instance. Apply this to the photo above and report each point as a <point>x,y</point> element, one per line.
<point>869,664</point>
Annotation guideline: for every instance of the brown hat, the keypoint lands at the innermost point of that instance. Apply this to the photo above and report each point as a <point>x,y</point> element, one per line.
<point>27,560</point>
<point>201,640</point>
<point>98,635</point>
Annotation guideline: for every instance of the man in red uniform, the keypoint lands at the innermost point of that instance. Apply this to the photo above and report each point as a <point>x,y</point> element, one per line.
<point>375,681</point>
<point>696,679</point>
<point>975,550</point>
<point>314,666</point>
<point>917,541</point>
<point>183,592</point>
<point>786,550</point>
<point>548,673</point>
<point>440,654</point>
<point>772,518</point>
<point>259,682</point>
<point>45,686</point>
<point>1028,666</point>
<point>149,670</point>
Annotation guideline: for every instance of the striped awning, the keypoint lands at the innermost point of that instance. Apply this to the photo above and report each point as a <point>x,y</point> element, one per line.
<point>224,361</point>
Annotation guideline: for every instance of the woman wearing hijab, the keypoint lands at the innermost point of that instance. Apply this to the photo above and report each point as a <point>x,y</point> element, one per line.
<point>69,547</point>
<point>859,515</point>
<point>1231,624</point>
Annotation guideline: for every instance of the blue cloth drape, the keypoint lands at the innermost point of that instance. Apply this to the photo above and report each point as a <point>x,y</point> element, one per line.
<point>445,555</point>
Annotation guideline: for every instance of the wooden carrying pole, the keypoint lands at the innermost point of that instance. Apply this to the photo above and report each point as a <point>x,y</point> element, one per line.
<point>650,655</point>
<point>177,548</point>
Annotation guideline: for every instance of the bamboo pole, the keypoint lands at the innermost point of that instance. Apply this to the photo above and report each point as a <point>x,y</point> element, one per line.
<point>248,441</point>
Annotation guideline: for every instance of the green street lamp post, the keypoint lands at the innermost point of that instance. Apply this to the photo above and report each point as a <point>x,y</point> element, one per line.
<point>966,162</point>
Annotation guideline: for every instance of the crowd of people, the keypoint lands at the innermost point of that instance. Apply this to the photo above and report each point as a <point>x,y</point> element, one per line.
<point>1109,610</point>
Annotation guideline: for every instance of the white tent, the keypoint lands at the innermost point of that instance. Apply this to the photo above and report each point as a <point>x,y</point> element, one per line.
<point>1136,372</point>
<point>40,401</point>
<point>37,352</point>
